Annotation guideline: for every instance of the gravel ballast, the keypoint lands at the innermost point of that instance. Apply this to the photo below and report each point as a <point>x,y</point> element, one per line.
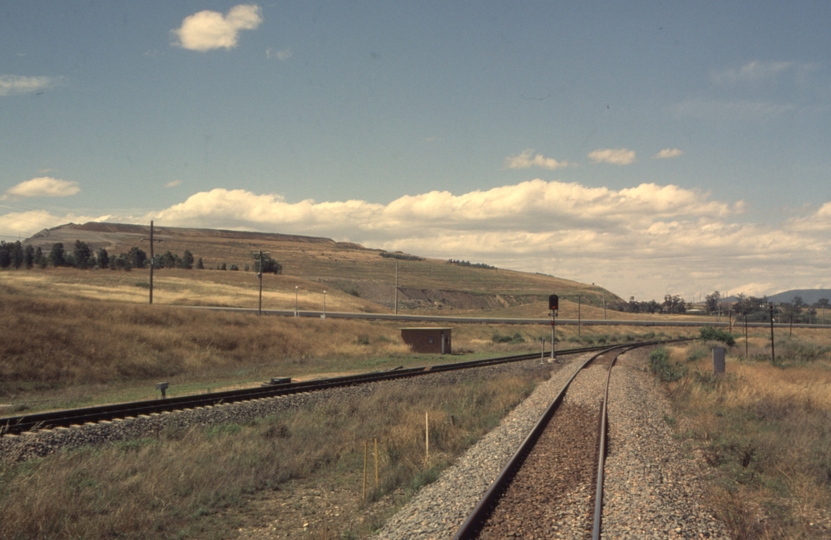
<point>653,488</point>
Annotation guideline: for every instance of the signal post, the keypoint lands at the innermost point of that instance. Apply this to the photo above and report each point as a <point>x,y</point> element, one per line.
<point>553,307</point>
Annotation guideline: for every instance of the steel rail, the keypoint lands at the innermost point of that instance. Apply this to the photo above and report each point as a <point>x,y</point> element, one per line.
<point>601,454</point>
<point>70,417</point>
<point>473,524</point>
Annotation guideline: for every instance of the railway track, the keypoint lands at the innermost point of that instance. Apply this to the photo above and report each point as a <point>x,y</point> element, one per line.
<point>71,417</point>
<point>553,485</point>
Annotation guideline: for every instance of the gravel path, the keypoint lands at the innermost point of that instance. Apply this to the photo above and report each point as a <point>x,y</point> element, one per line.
<point>652,486</point>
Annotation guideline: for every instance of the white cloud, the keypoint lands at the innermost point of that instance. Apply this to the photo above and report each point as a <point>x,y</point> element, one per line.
<point>208,30</point>
<point>526,161</point>
<point>647,240</point>
<point>28,223</point>
<point>44,186</point>
<point>667,153</point>
<point>615,156</point>
<point>284,54</point>
<point>16,84</point>
<point>173,183</point>
<point>752,72</point>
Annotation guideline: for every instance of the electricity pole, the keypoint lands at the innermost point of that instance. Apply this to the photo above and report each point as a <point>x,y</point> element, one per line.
<point>772,351</point>
<point>152,262</point>
<point>258,258</point>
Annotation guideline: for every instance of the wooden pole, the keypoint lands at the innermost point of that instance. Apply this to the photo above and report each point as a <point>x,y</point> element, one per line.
<point>772,351</point>
<point>260,275</point>
<point>152,262</point>
<point>376,463</point>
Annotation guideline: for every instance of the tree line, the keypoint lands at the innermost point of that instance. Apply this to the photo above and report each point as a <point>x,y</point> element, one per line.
<point>16,255</point>
<point>672,304</point>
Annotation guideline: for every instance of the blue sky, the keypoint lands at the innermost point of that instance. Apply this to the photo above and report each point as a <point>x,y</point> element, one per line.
<point>654,148</point>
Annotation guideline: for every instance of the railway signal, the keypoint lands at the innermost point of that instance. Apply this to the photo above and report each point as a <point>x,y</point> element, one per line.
<point>553,307</point>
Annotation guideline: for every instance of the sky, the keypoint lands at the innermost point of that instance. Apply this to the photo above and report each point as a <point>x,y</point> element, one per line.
<point>649,147</point>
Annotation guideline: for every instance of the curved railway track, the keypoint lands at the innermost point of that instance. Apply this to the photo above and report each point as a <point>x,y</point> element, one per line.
<point>554,468</point>
<point>80,416</point>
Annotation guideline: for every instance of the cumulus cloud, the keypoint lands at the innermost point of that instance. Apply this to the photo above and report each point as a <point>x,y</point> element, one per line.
<point>752,72</point>
<point>525,160</point>
<point>615,156</point>
<point>647,240</point>
<point>284,54</point>
<point>44,186</point>
<point>15,84</point>
<point>27,223</point>
<point>667,153</point>
<point>208,30</point>
<point>173,183</point>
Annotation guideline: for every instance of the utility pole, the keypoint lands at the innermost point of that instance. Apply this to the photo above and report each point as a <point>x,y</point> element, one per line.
<point>579,302</point>
<point>396,287</point>
<point>258,258</point>
<point>152,261</point>
<point>604,305</point>
<point>772,351</point>
<point>260,276</point>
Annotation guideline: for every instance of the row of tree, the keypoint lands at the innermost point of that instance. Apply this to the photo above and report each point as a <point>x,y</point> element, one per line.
<point>758,309</point>
<point>672,304</point>
<point>16,255</point>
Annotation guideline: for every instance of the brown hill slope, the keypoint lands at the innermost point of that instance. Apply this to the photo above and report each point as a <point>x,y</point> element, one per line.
<point>368,274</point>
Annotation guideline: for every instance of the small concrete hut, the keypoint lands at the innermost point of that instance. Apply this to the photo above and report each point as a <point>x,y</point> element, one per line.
<point>429,340</point>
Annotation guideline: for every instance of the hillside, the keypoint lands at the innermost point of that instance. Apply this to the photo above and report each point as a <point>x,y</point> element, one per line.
<point>313,263</point>
<point>809,296</point>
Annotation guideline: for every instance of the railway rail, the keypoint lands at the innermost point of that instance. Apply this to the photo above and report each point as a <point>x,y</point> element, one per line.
<point>70,417</point>
<point>567,439</point>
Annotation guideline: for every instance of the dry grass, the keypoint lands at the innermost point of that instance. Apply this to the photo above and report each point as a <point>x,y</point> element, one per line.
<point>765,431</point>
<point>52,346</point>
<point>196,484</point>
<point>64,352</point>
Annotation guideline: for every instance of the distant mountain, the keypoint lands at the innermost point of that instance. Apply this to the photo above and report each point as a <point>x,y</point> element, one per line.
<point>809,296</point>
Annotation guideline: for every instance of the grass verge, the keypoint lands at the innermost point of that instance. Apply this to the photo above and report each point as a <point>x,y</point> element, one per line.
<point>765,433</point>
<point>198,482</point>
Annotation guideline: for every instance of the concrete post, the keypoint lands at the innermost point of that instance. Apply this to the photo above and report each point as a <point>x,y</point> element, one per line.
<point>718,360</point>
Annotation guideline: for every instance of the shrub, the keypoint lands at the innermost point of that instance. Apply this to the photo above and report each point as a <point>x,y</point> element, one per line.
<point>660,365</point>
<point>499,338</point>
<point>708,333</point>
